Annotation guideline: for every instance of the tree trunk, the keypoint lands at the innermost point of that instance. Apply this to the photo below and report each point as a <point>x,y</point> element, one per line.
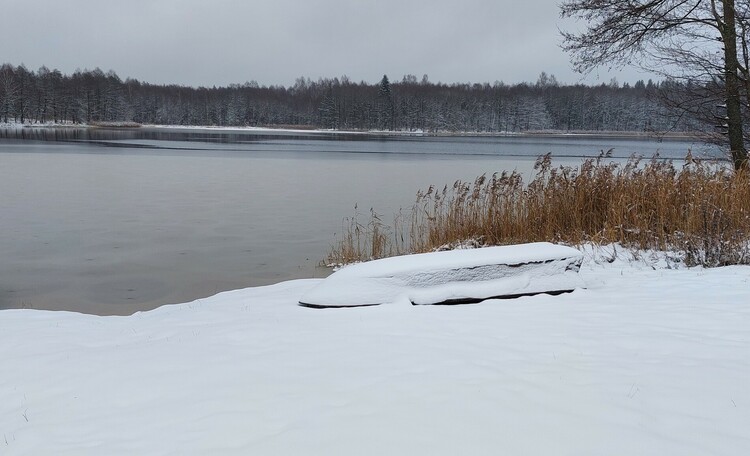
<point>732,87</point>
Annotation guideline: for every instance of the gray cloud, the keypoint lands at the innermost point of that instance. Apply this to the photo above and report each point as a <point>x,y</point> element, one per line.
<point>273,42</point>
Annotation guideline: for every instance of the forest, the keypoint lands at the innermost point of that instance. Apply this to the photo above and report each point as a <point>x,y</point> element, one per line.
<point>410,104</point>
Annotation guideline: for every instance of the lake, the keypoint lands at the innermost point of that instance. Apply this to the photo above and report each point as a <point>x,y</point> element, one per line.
<point>116,221</point>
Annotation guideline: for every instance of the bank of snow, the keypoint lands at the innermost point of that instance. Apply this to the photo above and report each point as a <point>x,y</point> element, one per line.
<point>644,361</point>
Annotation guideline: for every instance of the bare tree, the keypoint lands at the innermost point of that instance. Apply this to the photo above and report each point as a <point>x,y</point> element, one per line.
<point>703,44</point>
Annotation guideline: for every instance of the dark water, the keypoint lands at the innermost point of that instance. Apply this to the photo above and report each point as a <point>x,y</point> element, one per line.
<point>115,221</point>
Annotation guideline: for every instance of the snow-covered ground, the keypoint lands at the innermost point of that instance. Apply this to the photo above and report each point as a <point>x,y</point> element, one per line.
<point>643,362</point>
<point>11,125</point>
<point>269,130</point>
<point>237,129</point>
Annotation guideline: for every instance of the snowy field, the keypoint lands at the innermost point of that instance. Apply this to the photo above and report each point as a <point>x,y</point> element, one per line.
<point>643,362</point>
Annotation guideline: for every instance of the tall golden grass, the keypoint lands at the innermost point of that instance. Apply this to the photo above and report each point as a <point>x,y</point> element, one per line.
<point>699,209</point>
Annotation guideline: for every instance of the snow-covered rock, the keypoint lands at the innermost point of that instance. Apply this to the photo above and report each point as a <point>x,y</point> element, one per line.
<point>452,276</point>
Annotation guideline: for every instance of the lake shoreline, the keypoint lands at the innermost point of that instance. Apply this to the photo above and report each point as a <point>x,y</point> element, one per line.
<point>112,221</point>
<point>557,134</point>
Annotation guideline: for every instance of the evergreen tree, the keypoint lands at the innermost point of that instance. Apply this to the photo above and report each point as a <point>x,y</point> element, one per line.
<point>328,111</point>
<point>385,105</point>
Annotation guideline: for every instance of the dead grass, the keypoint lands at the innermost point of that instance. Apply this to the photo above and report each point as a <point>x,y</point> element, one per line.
<point>699,209</point>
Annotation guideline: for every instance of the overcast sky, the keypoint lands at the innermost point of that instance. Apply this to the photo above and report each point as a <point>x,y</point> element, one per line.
<point>218,42</point>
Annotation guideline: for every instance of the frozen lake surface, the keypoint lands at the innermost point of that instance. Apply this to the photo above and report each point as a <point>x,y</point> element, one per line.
<point>116,221</point>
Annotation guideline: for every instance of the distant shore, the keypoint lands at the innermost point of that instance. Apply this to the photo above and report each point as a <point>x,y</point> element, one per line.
<point>303,129</point>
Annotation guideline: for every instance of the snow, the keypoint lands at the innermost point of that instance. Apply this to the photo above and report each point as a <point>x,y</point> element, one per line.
<point>11,125</point>
<point>643,361</point>
<point>436,277</point>
<point>285,130</point>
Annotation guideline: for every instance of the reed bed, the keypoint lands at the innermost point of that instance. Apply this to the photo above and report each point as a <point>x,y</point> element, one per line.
<point>700,210</point>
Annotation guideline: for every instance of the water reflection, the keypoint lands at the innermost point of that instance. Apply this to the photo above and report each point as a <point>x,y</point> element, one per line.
<point>218,141</point>
<point>218,136</point>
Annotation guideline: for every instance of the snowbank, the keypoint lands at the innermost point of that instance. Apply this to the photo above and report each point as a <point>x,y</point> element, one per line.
<point>285,130</point>
<point>646,362</point>
<point>451,276</point>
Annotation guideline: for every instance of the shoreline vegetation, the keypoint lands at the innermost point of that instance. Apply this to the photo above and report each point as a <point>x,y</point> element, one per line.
<point>698,210</point>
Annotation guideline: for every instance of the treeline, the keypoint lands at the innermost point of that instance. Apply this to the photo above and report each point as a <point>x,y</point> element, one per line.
<point>46,95</point>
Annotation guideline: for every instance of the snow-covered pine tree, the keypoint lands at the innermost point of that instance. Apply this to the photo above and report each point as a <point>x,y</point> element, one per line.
<point>385,104</point>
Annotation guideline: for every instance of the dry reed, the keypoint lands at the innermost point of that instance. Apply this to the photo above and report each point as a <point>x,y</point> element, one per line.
<point>699,209</point>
